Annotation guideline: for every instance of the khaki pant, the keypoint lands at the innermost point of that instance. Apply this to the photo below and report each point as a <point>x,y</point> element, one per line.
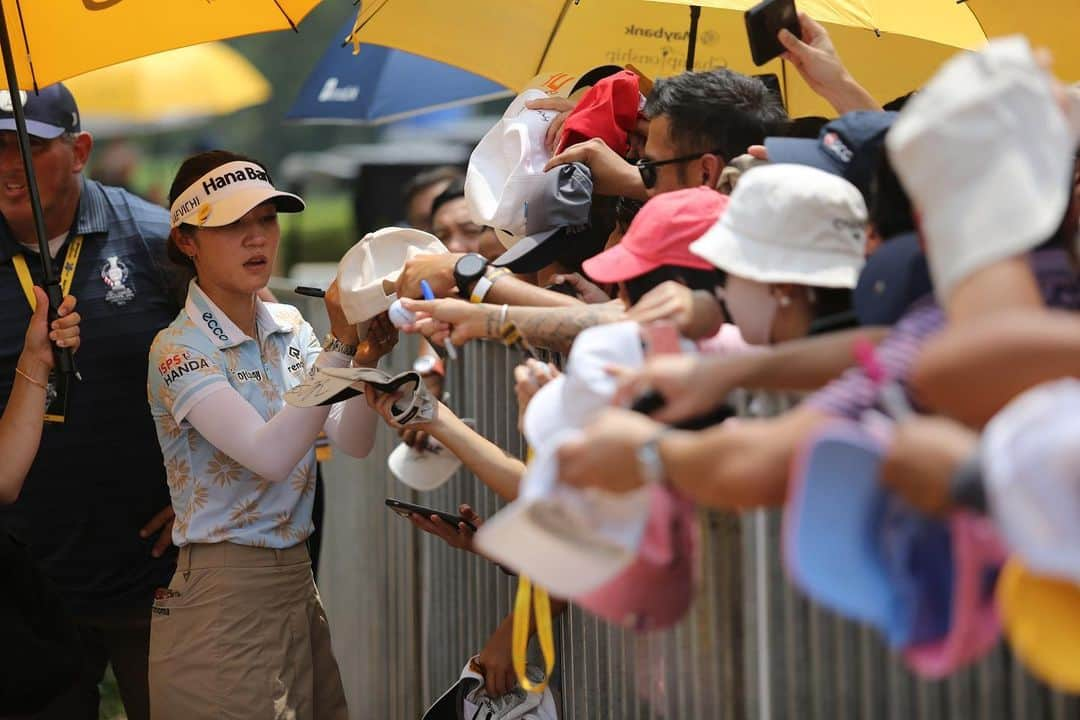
<point>241,633</point>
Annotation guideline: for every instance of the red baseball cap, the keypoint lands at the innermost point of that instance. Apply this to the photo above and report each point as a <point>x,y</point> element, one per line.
<point>660,235</point>
<point>608,111</point>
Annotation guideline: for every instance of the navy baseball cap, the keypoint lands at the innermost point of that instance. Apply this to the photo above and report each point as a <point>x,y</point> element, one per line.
<point>50,112</point>
<point>849,146</point>
<point>893,279</point>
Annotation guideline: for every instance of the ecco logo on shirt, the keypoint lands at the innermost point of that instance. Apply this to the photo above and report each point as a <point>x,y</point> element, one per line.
<point>215,328</point>
<point>177,366</point>
<point>248,376</point>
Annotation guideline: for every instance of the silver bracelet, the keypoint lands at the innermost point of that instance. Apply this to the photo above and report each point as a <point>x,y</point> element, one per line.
<point>332,344</point>
<point>502,316</point>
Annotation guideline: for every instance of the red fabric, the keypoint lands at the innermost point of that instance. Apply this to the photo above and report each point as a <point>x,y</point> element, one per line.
<point>608,111</point>
<point>661,235</point>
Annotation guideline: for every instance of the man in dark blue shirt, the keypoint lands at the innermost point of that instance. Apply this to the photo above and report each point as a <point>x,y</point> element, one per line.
<point>94,509</point>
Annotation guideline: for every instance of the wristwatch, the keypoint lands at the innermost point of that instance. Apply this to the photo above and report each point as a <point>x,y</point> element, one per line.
<point>467,271</point>
<point>650,463</point>
<point>332,344</point>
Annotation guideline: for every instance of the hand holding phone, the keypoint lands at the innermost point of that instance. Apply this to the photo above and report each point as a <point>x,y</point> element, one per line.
<point>764,22</point>
<point>405,509</point>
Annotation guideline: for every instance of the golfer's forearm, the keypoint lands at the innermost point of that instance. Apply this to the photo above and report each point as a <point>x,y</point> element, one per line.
<point>973,371</point>
<point>493,467</point>
<point>805,365</point>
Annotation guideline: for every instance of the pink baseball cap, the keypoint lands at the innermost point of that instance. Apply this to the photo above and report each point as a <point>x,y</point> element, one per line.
<point>658,586</point>
<point>978,554</point>
<point>660,235</point>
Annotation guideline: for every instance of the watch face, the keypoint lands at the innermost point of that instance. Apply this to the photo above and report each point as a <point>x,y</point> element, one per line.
<point>471,265</point>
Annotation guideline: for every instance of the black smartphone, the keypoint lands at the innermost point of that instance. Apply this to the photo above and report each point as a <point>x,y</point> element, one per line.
<point>404,509</point>
<point>764,21</point>
<point>772,84</point>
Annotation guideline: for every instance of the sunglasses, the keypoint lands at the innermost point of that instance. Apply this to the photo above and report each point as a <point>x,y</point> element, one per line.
<point>647,168</point>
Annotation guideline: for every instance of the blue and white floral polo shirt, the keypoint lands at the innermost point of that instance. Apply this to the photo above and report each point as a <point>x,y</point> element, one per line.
<point>215,498</point>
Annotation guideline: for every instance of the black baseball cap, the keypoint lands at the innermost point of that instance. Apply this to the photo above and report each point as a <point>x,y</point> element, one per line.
<point>50,112</point>
<point>849,146</point>
<point>552,219</point>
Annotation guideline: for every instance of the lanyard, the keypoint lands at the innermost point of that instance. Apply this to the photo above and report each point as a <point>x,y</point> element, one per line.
<point>67,273</point>
<point>527,593</point>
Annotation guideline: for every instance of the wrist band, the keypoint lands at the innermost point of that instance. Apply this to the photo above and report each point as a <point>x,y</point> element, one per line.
<point>966,488</point>
<point>41,385</point>
<point>483,285</point>
<point>502,316</point>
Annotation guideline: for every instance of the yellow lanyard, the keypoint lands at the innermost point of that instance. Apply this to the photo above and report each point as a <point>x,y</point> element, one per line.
<point>526,593</point>
<point>67,273</point>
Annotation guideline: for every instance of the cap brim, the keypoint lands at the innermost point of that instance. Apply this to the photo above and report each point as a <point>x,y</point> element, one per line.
<point>534,252</point>
<point>34,127</point>
<point>423,471</point>
<point>830,524</point>
<point>800,151</point>
<point>239,203</point>
<point>322,389</point>
<point>617,264</point>
<point>1041,624</point>
<point>536,536</point>
<point>775,264</point>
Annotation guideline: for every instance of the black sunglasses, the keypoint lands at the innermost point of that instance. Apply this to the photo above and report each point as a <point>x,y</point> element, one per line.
<point>647,168</point>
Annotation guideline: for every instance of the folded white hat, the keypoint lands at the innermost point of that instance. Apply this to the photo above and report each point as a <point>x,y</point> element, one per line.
<point>1031,468</point>
<point>571,540</point>
<point>986,154</point>
<point>790,224</point>
<point>506,170</point>
<point>379,258</point>
<point>423,471</point>
<point>331,385</point>
<point>568,540</point>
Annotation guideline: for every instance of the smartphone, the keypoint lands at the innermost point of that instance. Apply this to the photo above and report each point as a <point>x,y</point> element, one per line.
<point>405,509</point>
<point>764,21</point>
<point>772,84</point>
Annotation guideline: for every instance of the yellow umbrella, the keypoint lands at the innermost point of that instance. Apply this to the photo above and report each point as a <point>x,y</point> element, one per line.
<point>1052,24</point>
<point>170,88</point>
<point>892,50</point>
<point>54,41</point>
<point>45,42</point>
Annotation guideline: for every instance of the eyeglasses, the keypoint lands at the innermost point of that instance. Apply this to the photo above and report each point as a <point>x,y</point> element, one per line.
<point>647,168</point>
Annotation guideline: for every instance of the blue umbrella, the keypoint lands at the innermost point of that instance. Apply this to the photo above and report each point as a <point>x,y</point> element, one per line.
<point>381,85</point>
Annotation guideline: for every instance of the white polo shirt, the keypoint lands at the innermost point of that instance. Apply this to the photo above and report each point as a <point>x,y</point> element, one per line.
<point>215,498</point>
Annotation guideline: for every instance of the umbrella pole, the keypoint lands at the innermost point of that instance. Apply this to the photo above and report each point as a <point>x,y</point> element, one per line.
<point>65,360</point>
<point>691,43</point>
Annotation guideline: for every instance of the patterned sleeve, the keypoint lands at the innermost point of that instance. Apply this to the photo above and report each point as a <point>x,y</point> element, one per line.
<point>310,346</point>
<point>180,375</point>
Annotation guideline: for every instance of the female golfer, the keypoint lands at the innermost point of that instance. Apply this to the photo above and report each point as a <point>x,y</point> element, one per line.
<point>240,632</point>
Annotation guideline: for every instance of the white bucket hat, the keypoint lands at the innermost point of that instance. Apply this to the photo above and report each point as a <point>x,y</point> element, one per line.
<point>1031,468</point>
<point>986,155</point>
<point>375,260</point>
<point>227,193</point>
<point>790,224</point>
<point>423,471</point>
<point>571,540</point>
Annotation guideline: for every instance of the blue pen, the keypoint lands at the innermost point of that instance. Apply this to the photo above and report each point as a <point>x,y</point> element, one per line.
<point>425,288</point>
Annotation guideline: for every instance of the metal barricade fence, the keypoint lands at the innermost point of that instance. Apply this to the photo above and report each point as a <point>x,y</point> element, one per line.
<point>407,612</point>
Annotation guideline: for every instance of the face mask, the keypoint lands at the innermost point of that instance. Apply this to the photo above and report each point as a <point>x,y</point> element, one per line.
<point>752,308</point>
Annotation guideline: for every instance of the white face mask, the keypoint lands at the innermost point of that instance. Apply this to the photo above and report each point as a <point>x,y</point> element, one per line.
<point>752,307</point>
